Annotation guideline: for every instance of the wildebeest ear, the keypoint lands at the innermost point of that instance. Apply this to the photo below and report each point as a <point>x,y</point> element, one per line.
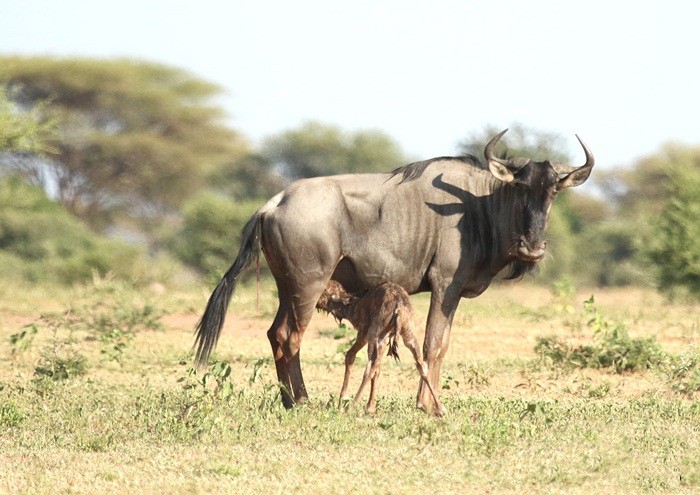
<point>575,178</point>
<point>501,171</point>
<point>498,166</point>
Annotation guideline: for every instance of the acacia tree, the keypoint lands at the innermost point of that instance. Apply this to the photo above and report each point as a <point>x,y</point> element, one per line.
<point>520,141</point>
<point>313,149</point>
<point>21,132</point>
<point>131,135</point>
<point>316,149</point>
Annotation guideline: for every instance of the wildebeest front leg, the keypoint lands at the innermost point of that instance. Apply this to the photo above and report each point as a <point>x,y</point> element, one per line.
<point>410,341</point>
<point>443,304</point>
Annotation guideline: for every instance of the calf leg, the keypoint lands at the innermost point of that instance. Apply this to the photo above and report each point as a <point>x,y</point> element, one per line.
<point>374,349</point>
<point>359,343</point>
<point>372,401</point>
<point>375,352</point>
<point>371,351</point>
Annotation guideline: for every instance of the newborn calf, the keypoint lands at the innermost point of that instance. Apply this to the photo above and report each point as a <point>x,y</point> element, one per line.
<point>379,316</point>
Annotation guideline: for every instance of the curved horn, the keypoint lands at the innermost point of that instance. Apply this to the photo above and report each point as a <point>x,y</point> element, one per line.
<point>578,175</point>
<point>488,151</point>
<point>562,168</point>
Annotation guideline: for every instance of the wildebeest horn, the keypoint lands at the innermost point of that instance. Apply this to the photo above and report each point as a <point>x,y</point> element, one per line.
<point>562,168</point>
<point>488,151</point>
<point>577,176</point>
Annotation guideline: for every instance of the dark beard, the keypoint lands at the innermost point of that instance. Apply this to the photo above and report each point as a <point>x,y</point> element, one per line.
<point>519,268</point>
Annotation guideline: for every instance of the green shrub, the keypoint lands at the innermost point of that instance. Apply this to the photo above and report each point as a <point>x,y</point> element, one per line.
<point>683,372</point>
<point>675,246</point>
<point>209,237</point>
<point>612,347</point>
<point>41,242</point>
<point>60,361</point>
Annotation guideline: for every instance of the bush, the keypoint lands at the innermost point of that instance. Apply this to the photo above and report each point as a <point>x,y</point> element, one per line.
<point>612,347</point>
<point>40,241</point>
<point>209,237</point>
<point>675,248</point>
<point>683,372</point>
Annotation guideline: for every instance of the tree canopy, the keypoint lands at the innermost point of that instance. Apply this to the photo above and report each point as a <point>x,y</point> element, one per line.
<point>129,133</point>
<point>22,131</point>
<point>316,149</point>
<point>673,240</point>
<point>519,141</point>
<point>42,242</point>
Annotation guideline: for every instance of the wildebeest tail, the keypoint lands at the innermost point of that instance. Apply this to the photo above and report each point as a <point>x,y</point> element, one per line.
<point>212,321</point>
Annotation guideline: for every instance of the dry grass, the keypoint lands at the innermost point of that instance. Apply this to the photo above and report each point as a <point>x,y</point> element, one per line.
<point>515,425</point>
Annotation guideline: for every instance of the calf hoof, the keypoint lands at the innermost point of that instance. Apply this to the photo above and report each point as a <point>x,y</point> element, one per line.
<point>439,411</point>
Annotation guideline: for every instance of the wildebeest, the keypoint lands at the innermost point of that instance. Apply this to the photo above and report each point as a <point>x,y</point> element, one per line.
<point>380,315</point>
<point>446,225</point>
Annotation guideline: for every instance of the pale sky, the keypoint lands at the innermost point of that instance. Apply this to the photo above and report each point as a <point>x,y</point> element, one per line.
<point>624,75</point>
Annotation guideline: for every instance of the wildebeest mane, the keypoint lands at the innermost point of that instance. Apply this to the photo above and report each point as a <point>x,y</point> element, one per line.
<point>415,170</point>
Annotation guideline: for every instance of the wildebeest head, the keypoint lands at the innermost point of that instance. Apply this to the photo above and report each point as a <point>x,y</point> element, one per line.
<point>536,184</point>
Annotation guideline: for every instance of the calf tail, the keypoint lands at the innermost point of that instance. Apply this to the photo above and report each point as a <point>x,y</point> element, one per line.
<point>393,344</point>
<point>212,321</point>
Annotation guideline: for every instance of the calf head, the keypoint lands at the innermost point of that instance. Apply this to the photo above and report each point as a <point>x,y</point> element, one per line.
<point>335,300</point>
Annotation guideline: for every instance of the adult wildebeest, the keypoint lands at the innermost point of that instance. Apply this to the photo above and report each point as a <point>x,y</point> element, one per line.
<point>446,225</point>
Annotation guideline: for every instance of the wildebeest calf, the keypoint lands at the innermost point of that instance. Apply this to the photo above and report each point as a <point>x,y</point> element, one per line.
<point>379,315</point>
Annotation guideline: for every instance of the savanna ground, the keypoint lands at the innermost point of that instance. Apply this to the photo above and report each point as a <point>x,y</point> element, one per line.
<point>97,395</point>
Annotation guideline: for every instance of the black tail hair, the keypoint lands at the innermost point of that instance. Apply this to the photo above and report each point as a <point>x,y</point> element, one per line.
<point>393,348</point>
<point>393,344</point>
<point>212,321</point>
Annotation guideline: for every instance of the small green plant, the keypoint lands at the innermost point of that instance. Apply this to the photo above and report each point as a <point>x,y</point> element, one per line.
<point>563,293</point>
<point>683,372</point>
<point>10,414</point>
<point>214,384</point>
<point>258,366</point>
<point>612,347</point>
<point>60,361</point>
<point>22,340</point>
<point>449,382</point>
<point>476,376</point>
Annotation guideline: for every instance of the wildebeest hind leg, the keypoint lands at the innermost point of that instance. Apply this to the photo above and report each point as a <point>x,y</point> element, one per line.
<point>278,335</point>
<point>285,336</point>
